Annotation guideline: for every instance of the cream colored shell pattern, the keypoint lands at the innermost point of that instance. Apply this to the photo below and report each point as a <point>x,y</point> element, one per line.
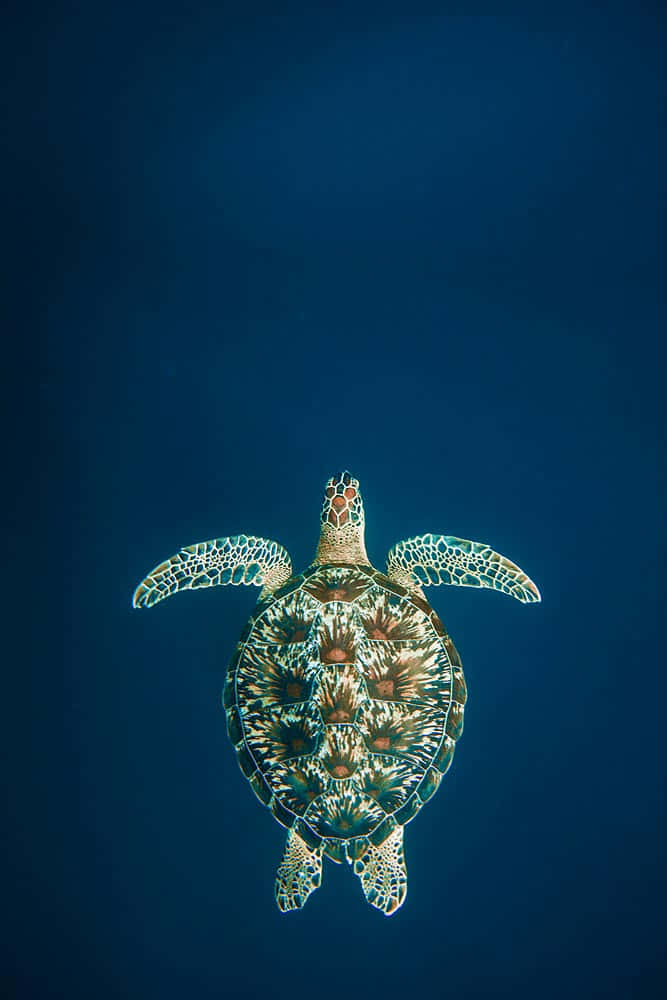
<point>344,701</point>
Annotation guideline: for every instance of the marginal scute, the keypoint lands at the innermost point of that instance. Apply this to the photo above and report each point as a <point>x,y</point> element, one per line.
<point>356,848</point>
<point>429,785</point>
<point>246,762</point>
<point>384,830</point>
<point>445,754</point>
<point>284,817</point>
<point>409,810</point>
<point>455,721</point>
<point>260,788</point>
<point>308,835</point>
<point>336,849</point>
<point>234,727</point>
<point>459,689</point>
<point>228,692</point>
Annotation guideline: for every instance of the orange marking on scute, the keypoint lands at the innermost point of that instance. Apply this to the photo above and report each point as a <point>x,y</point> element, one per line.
<point>381,742</point>
<point>338,502</point>
<point>294,690</point>
<point>336,655</point>
<point>298,636</point>
<point>377,633</point>
<point>341,771</point>
<point>385,688</point>
<point>298,744</point>
<point>350,493</point>
<point>338,715</point>
<point>336,594</point>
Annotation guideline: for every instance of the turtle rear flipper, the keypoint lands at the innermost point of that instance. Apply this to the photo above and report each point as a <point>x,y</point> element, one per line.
<point>299,873</point>
<point>383,874</point>
<point>239,559</point>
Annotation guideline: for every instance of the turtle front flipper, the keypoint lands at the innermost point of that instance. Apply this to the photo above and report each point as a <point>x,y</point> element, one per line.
<point>299,873</point>
<point>236,560</point>
<point>383,874</point>
<point>429,560</point>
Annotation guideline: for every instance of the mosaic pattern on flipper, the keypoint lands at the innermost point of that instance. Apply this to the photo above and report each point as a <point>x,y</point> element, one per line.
<point>238,559</point>
<point>430,560</point>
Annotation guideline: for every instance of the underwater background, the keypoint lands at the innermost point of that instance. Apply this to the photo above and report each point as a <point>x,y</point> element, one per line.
<point>257,246</point>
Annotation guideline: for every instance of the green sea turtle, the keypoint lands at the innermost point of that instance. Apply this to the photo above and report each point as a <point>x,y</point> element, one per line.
<point>345,696</point>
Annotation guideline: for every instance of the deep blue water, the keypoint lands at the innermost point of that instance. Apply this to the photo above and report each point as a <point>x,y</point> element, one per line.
<point>253,249</point>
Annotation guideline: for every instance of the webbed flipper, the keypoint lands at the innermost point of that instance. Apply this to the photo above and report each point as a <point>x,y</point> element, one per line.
<point>236,560</point>
<point>383,874</point>
<point>429,560</point>
<point>299,873</point>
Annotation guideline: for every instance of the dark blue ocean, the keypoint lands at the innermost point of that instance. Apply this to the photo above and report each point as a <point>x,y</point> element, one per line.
<point>255,245</point>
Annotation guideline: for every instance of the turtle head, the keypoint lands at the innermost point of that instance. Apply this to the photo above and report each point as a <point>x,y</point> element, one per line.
<point>342,522</point>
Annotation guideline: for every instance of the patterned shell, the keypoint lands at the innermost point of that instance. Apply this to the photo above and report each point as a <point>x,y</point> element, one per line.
<point>344,701</point>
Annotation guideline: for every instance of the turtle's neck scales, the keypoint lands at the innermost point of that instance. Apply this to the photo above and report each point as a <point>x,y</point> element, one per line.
<point>341,545</point>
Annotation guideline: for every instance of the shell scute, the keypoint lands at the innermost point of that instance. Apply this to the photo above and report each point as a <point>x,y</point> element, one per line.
<point>409,810</point>
<point>429,784</point>
<point>408,672</point>
<point>260,788</point>
<point>298,783</point>
<point>344,813</point>
<point>413,734</point>
<point>270,676</point>
<point>455,720</point>
<point>283,815</point>
<point>282,733</point>
<point>445,754</point>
